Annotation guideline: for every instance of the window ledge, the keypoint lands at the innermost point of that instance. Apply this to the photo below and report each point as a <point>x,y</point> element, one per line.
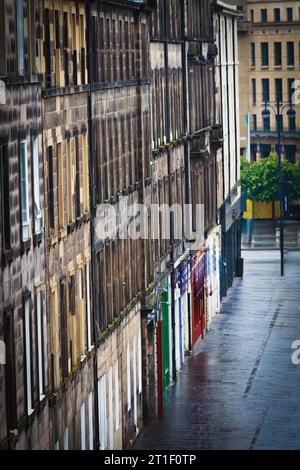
<point>7,257</point>
<point>71,227</point>
<point>87,216</point>
<point>63,233</point>
<point>37,239</point>
<point>52,240</point>
<point>79,221</point>
<point>25,246</point>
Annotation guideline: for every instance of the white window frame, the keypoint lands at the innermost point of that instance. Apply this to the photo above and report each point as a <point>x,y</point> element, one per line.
<point>28,359</point>
<point>40,342</point>
<point>88,308</point>
<point>111,413</point>
<point>82,426</point>
<point>24,191</point>
<point>36,185</point>
<point>91,427</point>
<point>134,369</point>
<point>140,362</point>
<point>102,413</point>
<point>128,374</point>
<point>117,396</point>
<point>66,439</point>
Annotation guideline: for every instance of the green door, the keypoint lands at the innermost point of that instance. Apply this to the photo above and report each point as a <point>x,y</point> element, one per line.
<point>165,339</point>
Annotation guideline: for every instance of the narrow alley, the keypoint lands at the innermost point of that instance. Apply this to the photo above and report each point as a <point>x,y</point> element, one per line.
<point>241,390</point>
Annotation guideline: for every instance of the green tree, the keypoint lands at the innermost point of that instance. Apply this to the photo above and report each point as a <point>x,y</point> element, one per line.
<point>260,179</point>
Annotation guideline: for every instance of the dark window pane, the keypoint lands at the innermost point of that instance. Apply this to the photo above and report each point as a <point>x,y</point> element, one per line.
<point>264,15</point>
<point>253,54</point>
<point>290,53</point>
<point>265,90</point>
<point>289,14</point>
<point>253,90</point>
<point>278,89</point>
<point>266,122</point>
<point>277,53</point>
<point>276,14</point>
<point>264,54</point>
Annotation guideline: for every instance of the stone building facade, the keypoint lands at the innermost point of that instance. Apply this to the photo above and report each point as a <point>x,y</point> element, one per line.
<point>107,112</point>
<point>23,322</point>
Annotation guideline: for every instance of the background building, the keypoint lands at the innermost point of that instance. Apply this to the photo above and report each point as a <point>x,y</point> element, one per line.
<point>269,56</point>
<point>111,103</point>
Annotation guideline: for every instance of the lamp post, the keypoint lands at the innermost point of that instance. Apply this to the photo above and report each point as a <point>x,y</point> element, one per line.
<point>279,113</point>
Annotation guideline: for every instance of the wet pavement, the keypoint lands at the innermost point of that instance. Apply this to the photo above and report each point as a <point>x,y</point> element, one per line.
<point>265,234</point>
<point>240,390</point>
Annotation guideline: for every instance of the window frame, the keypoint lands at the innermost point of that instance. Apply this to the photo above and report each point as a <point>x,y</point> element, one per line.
<point>40,339</point>
<point>28,356</point>
<point>264,15</point>
<point>290,54</point>
<point>20,35</point>
<point>24,196</point>
<point>37,213</point>
<point>264,51</point>
<point>5,197</point>
<point>277,18</point>
<point>277,48</point>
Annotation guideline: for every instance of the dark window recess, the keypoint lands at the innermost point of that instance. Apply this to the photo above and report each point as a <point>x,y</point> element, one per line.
<point>277,14</point>
<point>277,53</point>
<point>51,187</point>
<point>254,122</point>
<point>64,328</point>
<point>265,90</point>
<point>253,58</point>
<point>57,30</point>
<point>289,14</point>
<point>66,50</point>
<point>82,62</point>
<point>278,89</point>
<point>75,68</point>
<point>47,46</point>
<point>290,54</point>
<point>252,16</point>
<point>264,15</point>
<point>264,54</point>
<point>265,150</point>
<point>77,180</point>
<point>292,123</point>
<point>72,295</point>
<point>253,90</point>
<point>94,51</point>
<point>290,153</point>
<point>266,123</point>
<point>5,198</point>
<point>10,370</point>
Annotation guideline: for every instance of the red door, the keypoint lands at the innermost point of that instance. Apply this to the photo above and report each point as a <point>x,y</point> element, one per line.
<point>198,298</point>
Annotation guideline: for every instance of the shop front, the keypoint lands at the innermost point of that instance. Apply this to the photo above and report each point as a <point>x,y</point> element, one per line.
<point>198,295</point>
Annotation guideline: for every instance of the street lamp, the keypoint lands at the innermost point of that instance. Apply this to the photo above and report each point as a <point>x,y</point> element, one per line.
<point>278,113</point>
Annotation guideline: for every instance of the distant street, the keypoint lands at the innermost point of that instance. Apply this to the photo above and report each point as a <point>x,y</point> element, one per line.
<point>241,390</point>
<point>265,235</point>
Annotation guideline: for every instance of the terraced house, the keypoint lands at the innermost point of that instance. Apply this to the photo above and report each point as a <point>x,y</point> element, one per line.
<point>111,114</point>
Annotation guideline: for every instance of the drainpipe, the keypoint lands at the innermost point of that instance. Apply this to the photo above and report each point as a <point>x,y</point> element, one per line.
<point>91,194</point>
